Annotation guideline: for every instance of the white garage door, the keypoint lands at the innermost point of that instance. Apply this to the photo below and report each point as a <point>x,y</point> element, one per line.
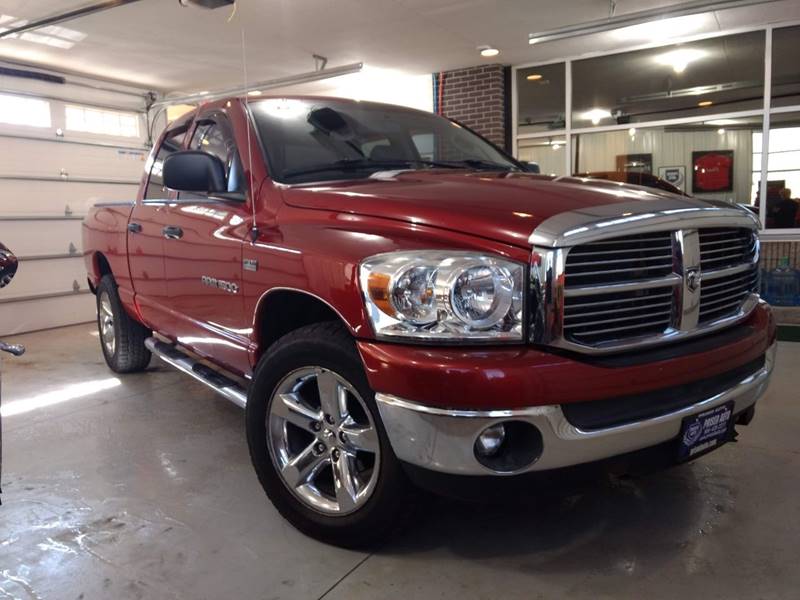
<point>58,157</point>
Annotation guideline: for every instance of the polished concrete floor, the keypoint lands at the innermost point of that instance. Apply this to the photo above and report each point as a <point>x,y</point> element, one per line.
<point>141,487</point>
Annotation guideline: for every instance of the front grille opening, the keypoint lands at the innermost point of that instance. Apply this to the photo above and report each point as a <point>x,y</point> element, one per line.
<point>619,260</point>
<point>722,247</point>
<point>600,318</point>
<point>723,296</point>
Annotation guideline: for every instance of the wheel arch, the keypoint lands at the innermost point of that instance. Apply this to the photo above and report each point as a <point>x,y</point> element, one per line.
<point>282,310</point>
<point>100,268</point>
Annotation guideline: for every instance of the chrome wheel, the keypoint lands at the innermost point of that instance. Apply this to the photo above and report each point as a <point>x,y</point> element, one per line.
<point>322,441</point>
<point>106,323</point>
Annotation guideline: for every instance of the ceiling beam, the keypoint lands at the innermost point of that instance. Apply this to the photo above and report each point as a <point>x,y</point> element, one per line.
<point>66,16</point>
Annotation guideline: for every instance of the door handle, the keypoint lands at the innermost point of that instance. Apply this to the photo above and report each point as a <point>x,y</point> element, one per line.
<point>134,227</point>
<point>172,233</point>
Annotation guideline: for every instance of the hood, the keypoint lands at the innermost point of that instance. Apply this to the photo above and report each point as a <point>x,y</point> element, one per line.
<point>505,207</point>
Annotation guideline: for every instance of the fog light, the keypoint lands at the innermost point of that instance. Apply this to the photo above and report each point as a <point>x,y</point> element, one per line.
<point>490,440</point>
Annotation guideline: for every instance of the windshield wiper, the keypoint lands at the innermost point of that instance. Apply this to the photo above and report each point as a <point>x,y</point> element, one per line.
<point>359,165</point>
<point>477,163</point>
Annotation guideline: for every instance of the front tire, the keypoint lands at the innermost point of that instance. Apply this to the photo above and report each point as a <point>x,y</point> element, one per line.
<point>121,337</point>
<point>317,442</point>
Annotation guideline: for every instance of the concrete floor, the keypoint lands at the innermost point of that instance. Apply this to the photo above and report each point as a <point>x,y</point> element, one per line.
<point>141,487</point>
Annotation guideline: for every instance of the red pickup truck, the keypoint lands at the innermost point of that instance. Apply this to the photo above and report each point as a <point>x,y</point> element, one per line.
<point>394,300</point>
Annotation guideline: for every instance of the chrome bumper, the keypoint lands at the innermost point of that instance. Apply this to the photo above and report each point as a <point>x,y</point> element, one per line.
<point>443,440</point>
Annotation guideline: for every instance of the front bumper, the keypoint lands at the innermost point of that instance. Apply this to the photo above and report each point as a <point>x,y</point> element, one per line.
<point>443,440</point>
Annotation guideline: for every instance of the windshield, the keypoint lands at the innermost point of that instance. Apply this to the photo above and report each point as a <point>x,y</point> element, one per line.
<point>315,139</point>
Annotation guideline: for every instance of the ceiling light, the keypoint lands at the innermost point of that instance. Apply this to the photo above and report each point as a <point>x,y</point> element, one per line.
<point>661,29</point>
<point>555,146</point>
<point>632,131</point>
<point>254,93</point>
<point>488,51</point>
<point>722,122</point>
<point>534,77</point>
<point>721,130</point>
<point>704,103</point>
<point>680,59</point>
<point>596,115</point>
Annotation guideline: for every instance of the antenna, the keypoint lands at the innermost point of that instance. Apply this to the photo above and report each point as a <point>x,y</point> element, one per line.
<point>254,228</point>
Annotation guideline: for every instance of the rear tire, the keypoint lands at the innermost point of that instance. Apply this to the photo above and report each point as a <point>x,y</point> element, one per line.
<point>303,475</point>
<point>121,337</point>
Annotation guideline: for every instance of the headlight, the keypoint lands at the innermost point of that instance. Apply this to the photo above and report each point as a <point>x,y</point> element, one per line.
<point>435,295</point>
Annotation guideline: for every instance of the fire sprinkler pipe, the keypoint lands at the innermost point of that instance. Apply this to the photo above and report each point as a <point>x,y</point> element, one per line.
<point>261,85</point>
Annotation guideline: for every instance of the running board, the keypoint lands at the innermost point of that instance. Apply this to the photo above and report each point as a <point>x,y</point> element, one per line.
<point>224,386</point>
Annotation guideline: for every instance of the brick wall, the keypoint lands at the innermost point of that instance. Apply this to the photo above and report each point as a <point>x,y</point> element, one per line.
<point>476,97</point>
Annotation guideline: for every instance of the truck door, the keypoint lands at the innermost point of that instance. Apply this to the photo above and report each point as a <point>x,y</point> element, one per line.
<point>204,239</point>
<point>145,236</point>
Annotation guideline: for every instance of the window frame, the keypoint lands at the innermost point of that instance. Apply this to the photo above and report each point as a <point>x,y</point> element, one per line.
<point>764,111</point>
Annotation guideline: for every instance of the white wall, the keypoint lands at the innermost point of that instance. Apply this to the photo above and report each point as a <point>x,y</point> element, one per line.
<point>374,84</point>
<point>47,184</point>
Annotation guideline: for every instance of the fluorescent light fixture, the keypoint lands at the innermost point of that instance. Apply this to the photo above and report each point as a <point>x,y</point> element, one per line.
<point>488,51</point>
<point>254,93</point>
<point>46,40</point>
<point>723,122</point>
<point>660,29</point>
<point>534,77</point>
<point>680,59</point>
<point>596,115</point>
<point>704,103</point>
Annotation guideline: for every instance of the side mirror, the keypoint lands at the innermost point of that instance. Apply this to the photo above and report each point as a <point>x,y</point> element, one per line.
<point>8,266</point>
<point>194,171</point>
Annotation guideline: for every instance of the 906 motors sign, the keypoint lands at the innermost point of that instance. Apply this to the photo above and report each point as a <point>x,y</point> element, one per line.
<point>705,431</point>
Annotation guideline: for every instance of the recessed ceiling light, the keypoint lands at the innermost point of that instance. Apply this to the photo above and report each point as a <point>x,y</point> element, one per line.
<point>596,115</point>
<point>534,77</point>
<point>704,103</point>
<point>680,59</point>
<point>254,93</point>
<point>488,51</point>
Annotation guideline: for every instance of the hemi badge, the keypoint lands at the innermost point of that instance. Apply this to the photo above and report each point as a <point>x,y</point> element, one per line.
<point>250,264</point>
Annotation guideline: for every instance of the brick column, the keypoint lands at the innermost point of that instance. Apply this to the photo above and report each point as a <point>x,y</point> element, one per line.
<point>476,97</point>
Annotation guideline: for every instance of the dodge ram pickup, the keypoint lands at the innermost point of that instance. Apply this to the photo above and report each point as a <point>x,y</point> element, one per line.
<point>395,301</point>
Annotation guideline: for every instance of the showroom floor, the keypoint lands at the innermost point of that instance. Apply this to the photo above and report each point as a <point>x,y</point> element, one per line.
<point>141,487</point>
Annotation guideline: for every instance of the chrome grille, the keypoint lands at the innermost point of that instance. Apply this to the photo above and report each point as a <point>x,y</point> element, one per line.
<point>722,247</point>
<point>595,318</point>
<point>621,259</point>
<point>626,290</point>
<point>723,296</point>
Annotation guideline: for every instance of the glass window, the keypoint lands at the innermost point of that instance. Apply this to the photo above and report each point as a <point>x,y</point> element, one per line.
<point>215,137</point>
<point>173,142</point>
<point>785,66</point>
<point>722,74</point>
<point>783,172</point>
<point>314,140</point>
<point>712,159</point>
<point>548,153</point>
<point>18,110</point>
<point>104,122</point>
<point>541,98</point>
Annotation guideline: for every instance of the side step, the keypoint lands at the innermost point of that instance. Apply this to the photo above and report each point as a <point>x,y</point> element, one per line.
<point>183,362</point>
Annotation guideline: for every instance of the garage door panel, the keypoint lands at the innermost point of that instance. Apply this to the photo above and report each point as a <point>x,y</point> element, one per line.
<point>31,315</point>
<point>35,277</point>
<point>22,197</point>
<point>35,238</point>
<point>74,159</point>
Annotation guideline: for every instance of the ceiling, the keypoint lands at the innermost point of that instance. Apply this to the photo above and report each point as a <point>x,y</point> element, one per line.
<point>160,45</point>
